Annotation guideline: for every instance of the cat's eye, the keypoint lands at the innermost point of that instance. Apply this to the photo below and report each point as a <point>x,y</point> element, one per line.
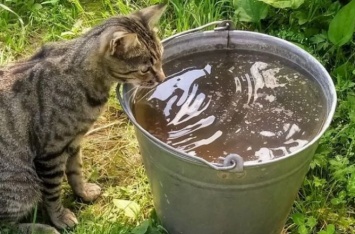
<point>145,69</point>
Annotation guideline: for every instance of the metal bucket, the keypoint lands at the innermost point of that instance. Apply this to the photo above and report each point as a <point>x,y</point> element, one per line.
<point>193,196</point>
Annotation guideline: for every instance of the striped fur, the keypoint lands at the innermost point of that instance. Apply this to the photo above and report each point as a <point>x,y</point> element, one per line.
<point>48,103</point>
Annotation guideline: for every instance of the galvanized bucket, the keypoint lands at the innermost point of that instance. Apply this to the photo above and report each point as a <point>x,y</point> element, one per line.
<point>193,196</point>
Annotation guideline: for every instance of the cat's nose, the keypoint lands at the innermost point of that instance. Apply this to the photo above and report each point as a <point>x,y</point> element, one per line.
<point>160,76</point>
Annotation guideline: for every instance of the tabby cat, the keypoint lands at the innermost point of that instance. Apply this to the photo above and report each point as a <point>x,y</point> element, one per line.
<point>49,102</point>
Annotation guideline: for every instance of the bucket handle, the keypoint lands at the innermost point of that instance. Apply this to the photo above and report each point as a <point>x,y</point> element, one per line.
<point>221,25</point>
<point>231,163</point>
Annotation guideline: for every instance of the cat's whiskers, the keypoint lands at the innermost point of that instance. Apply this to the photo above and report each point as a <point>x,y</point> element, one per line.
<point>145,94</point>
<point>131,92</point>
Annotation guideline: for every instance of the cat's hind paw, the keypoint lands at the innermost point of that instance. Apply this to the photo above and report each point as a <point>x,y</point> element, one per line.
<point>90,192</point>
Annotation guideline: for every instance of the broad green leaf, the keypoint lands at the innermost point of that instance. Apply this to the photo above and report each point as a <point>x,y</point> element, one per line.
<point>303,230</point>
<point>130,208</point>
<point>342,26</point>
<point>298,219</point>
<point>284,3</point>
<point>319,38</point>
<point>336,201</point>
<point>250,10</point>
<point>311,222</point>
<point>318,182</point>
<point>141,228</point>
<point>37,6</point>
<point>330,229</point>
<point>301,16</point>
<point>343,70</point>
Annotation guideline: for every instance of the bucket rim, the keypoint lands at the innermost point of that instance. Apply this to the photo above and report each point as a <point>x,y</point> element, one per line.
<point>124,101</point>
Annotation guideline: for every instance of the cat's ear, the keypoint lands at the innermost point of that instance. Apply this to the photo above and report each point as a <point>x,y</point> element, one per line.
<point>123,41</point>
<point>152,14</point>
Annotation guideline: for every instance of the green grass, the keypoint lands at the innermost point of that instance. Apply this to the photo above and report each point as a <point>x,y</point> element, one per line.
<point>325,203</point>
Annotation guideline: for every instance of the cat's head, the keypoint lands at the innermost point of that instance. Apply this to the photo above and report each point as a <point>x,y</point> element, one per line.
<point>132,49</point>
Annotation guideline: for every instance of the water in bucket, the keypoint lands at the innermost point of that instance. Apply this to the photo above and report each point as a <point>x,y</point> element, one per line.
<point>217,103</point>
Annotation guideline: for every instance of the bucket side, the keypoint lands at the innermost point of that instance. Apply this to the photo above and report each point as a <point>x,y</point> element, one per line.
<point>192,199</point>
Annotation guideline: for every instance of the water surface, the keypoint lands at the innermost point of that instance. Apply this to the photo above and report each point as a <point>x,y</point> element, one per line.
<point>216,103</point>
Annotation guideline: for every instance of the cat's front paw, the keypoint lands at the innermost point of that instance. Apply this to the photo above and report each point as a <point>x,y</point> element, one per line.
<point>90,192</point>
<point>65,219</point>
